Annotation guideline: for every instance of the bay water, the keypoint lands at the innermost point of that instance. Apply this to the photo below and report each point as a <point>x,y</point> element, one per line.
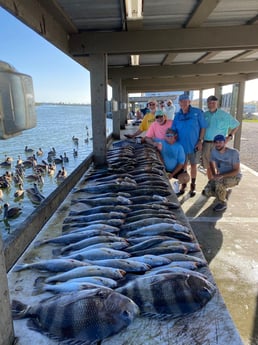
<point>56,125</point>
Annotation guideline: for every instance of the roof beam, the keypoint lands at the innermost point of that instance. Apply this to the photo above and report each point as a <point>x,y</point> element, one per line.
<point>201,13</point>
<point>187,69</point>
<point>184,40</point>
<point>193,83</point>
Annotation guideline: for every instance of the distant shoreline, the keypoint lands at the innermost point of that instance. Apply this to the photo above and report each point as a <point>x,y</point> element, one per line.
<point>60,103</point>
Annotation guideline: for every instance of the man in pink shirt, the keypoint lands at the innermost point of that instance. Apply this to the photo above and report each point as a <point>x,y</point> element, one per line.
<point>157,130</point>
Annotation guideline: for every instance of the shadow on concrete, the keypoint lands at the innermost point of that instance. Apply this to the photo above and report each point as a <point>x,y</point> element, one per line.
<point>204,227</point>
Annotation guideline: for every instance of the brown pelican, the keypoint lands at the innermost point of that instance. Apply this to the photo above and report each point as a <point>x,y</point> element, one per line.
<point>11,212</point>
<point>19,192</point>
<point>28,150</point>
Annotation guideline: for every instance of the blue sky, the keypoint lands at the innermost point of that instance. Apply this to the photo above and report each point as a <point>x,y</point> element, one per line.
<point>56,77</point>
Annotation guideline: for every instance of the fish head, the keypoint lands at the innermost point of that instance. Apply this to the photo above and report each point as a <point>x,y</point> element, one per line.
<point>122,309</point>
<point>201,288</point>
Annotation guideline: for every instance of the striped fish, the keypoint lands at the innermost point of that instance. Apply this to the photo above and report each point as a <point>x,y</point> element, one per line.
<point>169,294</point>
<point>84,317</point>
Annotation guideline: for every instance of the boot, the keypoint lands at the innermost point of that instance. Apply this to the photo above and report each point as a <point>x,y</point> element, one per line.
<point>192,190</point>
<point>182,190</point>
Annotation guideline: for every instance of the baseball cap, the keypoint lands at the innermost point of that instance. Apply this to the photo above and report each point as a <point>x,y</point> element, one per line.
<point>184,97</point>
<point>159,113</point>
<point>219,137</point>
<point>212,98</point>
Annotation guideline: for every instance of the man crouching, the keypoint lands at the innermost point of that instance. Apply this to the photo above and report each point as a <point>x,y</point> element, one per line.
<point>225,169</point>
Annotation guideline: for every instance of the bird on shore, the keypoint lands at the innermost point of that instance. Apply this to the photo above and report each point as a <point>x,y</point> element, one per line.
<point>12,212</point>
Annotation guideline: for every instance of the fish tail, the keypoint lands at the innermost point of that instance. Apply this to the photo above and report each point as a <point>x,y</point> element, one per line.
<point>38,243</point>
<point>20,267</point>
<point>38,286</point>
<point>19,310</point>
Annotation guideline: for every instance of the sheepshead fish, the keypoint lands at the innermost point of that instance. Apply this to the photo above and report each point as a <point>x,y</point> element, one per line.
<point>169,294</point>
<point>82,317</point>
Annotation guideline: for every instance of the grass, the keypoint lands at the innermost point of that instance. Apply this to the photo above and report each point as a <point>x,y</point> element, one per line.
<point>251,120</point>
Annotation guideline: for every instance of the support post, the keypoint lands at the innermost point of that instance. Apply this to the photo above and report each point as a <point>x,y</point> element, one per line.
<point>98,82</point>
<point>6,322</point>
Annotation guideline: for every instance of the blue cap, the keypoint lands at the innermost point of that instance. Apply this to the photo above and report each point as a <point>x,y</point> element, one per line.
<point>219,137</point>
<point>184,97</point>
<point>159,113</point>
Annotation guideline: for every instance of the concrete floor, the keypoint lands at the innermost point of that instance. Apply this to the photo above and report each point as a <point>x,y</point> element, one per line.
<point>229,243</point>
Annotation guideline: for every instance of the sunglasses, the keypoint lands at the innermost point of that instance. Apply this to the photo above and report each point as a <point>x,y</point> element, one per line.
<point>159,116</point>
<point>170,135</point>
<point>151,104</point>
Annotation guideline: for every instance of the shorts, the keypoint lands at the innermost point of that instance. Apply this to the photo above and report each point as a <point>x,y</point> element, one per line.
<point>193,158</point>
<point>206,153</point>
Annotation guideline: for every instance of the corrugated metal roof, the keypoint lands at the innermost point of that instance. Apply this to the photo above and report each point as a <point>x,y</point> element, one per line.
<point>170,33</point>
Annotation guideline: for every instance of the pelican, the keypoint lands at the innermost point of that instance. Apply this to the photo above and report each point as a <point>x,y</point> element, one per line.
<point>19,162</point>
<point>39,152</point>
<point>75,140</point>
<point>28,150</point>
<point>63,172</point>
<point>11,212</point>
<point>59,160</point>
<point>75,153</point>
<point>66,159</point>
<point>19,192</point>
<point>59,177</point>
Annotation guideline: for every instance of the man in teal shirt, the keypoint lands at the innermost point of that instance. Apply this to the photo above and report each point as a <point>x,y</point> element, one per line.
<point>219,122</point>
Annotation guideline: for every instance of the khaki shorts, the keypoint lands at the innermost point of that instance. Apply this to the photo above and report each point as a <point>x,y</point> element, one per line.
<point>206,153</point>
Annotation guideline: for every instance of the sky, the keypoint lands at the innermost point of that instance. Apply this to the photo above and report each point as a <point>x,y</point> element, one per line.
<point>56,77</point>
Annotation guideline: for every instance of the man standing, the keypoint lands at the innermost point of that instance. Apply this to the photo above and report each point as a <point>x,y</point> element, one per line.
<point>190,125</point>
<point>170,109</point>
<point>225,172</point>
<point>219,122</point>
<point>147,120</point>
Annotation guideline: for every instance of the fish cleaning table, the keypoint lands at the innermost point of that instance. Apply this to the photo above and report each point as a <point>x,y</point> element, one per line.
<point>211,325</point>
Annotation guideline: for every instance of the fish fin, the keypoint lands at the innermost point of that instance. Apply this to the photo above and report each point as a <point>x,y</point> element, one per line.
<point>19,310</point>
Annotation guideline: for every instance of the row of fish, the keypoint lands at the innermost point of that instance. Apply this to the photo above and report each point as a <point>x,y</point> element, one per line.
<point>122,252</point>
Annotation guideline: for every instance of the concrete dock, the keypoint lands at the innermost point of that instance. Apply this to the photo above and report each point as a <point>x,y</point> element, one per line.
<point>229,243</point>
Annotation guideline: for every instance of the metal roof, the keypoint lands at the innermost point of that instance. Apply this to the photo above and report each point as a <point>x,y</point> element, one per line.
<point>182,44</point>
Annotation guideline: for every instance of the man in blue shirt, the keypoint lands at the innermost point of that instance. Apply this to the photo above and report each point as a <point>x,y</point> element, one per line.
<point>190,125</point>
<point>225,170</point>
<point>219,122</point>
<point>173,156</point>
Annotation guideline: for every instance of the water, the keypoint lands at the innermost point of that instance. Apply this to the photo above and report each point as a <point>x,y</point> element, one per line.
<point>56,125</point>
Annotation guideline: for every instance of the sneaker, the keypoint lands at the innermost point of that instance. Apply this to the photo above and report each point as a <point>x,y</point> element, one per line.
<point>192,191</point>
<point>181,192</point>
<point>229,191</point>
<point>220,207</point>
